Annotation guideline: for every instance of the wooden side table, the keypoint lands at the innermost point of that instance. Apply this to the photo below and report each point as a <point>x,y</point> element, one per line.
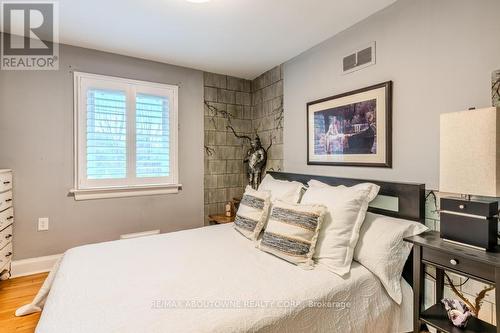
<point>430,249</point>
<point>220,219</point>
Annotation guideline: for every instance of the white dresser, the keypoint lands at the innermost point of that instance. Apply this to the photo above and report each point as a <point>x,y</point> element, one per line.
<point>6,223</point>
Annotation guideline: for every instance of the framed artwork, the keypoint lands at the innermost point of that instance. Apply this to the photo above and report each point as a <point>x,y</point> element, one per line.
<point>351,129</point>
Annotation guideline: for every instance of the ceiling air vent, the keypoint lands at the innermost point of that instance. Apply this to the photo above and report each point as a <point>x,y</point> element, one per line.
<point>359,59</point>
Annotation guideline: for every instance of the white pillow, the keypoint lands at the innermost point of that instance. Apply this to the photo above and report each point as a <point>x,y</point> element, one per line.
<point>282,189</point>
<point>317,183</point>
<point>338,236</point>
<point>292,232</point>
<point>252,212</point>
<point>383,252</point>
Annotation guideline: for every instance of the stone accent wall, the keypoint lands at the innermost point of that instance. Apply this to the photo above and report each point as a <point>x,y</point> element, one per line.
<point>249,107</point>
<point>495,88</point>
<point>267,101</point>
<point>470,288</point>
<point>227,101</point>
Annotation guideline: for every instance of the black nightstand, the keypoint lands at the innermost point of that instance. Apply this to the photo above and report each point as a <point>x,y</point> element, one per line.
<point>430,249</point>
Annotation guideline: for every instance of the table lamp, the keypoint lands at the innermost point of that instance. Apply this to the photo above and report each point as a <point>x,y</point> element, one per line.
<point>470,166</point>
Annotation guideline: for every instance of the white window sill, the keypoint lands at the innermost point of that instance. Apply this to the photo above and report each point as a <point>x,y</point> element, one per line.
<point>122,192</point>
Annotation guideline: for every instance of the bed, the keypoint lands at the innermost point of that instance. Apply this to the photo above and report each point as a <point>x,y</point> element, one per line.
<point>212,279</point>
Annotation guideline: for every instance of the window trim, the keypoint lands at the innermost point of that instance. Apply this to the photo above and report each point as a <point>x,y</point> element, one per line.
<point>85,189</point>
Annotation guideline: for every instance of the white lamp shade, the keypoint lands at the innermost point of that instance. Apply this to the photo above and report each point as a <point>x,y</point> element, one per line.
<point>470,156</point>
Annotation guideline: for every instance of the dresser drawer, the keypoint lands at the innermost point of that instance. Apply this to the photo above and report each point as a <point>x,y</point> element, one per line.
<point>6,236</point>
<point>456,262</point>
<point>5,181</point>
<point>5,256</point>
<point>5,200</point>
<point>6,217</point>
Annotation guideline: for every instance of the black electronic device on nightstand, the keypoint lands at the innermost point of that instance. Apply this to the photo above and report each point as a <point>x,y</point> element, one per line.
<point>471,223</point>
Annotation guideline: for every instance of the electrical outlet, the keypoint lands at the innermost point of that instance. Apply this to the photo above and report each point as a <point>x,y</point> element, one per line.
<point>43,223</point>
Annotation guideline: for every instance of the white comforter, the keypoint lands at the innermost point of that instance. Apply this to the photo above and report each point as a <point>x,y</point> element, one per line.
<point>210,280</point>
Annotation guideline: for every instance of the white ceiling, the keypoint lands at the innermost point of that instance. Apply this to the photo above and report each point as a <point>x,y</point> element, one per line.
<point>243,38</point>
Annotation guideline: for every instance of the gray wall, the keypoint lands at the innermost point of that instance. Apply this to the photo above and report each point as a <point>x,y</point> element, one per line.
<point>440,55</point>
<point>36,141</point>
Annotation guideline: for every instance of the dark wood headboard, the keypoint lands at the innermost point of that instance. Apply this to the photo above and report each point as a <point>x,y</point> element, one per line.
<point>407,200</point>
<point>410,196</point>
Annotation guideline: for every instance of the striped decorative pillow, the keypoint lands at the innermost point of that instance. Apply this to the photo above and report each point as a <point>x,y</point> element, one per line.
<point>252,213</point>
<point>292,231</point>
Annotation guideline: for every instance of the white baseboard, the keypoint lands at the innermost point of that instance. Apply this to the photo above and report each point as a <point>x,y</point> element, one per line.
<point>140,234</point>
<point>33,265</point>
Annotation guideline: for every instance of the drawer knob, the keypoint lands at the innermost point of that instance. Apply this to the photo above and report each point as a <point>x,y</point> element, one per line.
<point>454,262</point>
<point>10,217</point>
<point>8,200</point>
<point>6,183</point>
<point>462,206</point>
<point>8,236</point>
<point>8,254</point>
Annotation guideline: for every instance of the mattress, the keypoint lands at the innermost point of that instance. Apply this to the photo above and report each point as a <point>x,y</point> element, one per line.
<point>210,279</point>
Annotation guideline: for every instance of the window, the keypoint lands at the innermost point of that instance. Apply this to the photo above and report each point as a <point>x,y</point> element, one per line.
<point>125,137</point>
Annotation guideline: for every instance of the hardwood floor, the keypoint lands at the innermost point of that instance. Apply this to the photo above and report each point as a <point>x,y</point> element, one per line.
<point>13,294</point>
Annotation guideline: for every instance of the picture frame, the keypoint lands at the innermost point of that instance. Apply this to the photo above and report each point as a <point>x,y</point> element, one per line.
<point>352,128</point>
